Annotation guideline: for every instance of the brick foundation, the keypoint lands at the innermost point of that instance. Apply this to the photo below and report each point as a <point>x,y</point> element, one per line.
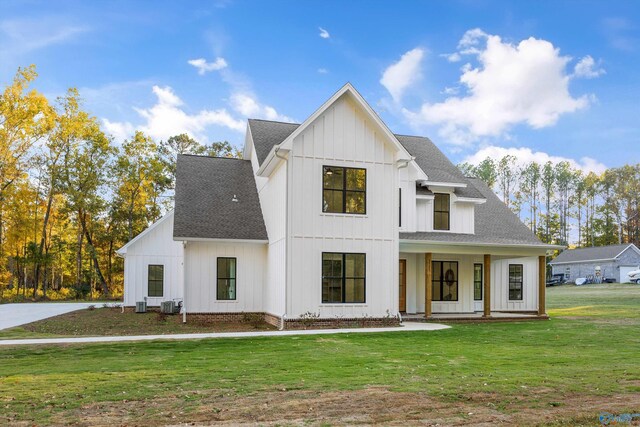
<point>291,324</point>
<point>344,323</point>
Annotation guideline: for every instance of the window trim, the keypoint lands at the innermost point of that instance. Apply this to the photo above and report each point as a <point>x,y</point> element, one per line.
<point>481,281</point>
<point>235,279</point>
<point>155,280</point>
<point>344,278</point>
<point>344,190</point>
<point>442,280</point>
<point>448,211</point>
<point>521,282</point>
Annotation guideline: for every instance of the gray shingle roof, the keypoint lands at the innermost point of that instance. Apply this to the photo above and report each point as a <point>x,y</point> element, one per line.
<point>205,187</point>
<point>266,134</point>
<point>436,165</point>
<point>589,254</point>
<point>494,224</point>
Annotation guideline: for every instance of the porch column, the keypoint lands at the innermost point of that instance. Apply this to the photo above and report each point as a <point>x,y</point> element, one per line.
<point>487,286</point>
<point>428,289</point>
<point>542,284</point>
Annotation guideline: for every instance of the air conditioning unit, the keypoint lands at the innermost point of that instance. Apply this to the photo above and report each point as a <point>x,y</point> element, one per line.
<point>141,306</point>
<point>167,307</point>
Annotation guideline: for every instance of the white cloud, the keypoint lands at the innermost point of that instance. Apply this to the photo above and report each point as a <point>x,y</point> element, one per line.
<point>119,130</point>
<point>166,118</point>
<point>586,68</point>
<point>511,84</point>
<point>323,71</point>
<point>324,33</point>
<point>20,36</point>
<point>204,67</point>
<point>399,76</point>
<point>247,105</point>
<point>525,156</point>
<point>452,57</point>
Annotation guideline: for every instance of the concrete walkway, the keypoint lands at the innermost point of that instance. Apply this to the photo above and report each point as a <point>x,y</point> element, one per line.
<point>407,327</point>
<point>20,314</point>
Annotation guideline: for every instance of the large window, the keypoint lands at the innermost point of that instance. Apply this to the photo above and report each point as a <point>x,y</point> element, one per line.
<point>515,281</point>
<point>344,190</point>
<point>226,275</point>
<point>343,278</point>
<point>155,280</point>
<point>477,282</point>
<point>441,212</point>
<point>445,281</point>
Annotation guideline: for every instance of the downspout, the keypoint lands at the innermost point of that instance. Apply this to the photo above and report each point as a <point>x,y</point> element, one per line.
<point>124,258</point>
<point>286,238</point>
<point>184,284</point>
<point>402,164</point>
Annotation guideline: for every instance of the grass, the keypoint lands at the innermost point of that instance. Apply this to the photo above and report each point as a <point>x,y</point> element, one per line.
<point>497,369</point>
<point>111,321</point>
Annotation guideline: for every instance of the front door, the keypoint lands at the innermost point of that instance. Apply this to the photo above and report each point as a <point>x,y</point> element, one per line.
<point>403,285</point>
<point>478,287</point>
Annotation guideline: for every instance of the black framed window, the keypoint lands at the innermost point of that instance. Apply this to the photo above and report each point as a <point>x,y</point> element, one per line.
<point>477,281</point>
<point>344,190</point>
<point>445,280</point>
<point>155,280</point>
<point>343,277</point>
<point>441,211</point>
<point>226,279</point>
<point>515,281</point>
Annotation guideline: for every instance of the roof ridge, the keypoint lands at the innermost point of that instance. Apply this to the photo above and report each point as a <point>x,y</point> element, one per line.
<point>273,121</point>
<point>212,157</point>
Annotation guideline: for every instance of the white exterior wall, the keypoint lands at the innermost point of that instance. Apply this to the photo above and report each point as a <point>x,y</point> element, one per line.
<point>500,280</point>
<point>465,304</point>
<point>342,136</point>
<point>272,193</point>
<point>201,276</point>
<point>155,247</point>
<point>417,210</point>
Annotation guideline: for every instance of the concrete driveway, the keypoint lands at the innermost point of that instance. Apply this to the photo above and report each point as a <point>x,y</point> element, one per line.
<point>19,314</point>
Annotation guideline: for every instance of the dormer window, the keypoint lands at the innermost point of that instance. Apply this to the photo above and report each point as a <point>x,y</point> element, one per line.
<point>441,211</point>
<point>344,190</point>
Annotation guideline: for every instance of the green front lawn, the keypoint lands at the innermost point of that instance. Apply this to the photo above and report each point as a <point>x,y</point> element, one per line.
<point>565,370</point>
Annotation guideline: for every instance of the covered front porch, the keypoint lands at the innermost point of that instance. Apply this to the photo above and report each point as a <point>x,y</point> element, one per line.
<point>465,282</point>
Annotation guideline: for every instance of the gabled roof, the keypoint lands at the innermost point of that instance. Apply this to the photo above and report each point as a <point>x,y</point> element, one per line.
<point>123,250</point>
<point>266,134</point>
<point>596,253</point>
<point>354,95</point>
<point>205,208</point>
<point>437,166</point>
<point>495,224</point>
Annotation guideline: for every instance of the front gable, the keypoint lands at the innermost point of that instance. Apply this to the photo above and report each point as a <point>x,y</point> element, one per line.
<point>353,116</point>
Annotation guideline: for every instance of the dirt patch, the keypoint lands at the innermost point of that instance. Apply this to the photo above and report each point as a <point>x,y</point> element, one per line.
<point>371,406</point>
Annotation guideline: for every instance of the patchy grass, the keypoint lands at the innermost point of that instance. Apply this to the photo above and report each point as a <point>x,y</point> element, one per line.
<point>561,372</point>
<point>111,321</point>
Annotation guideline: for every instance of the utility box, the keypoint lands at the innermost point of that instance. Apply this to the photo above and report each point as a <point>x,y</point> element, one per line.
<point>167,307</point>
<point>141,306</point>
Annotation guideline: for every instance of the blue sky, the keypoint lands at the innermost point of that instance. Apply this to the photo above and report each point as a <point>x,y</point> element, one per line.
<point>534,79</point>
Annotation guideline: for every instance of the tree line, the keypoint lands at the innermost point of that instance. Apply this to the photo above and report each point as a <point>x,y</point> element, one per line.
<point>564,205</point>
<point>70,195</point>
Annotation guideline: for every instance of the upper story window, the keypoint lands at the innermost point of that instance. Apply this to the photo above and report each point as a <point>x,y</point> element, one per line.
<point>441,211</point>
<point>344,190</point>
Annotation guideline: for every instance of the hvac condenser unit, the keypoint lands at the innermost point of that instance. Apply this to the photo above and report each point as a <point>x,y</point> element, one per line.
<point>167,307</point>
<point>141,306</point>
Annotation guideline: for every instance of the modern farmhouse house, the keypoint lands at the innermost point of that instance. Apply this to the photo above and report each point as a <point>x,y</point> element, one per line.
<point>336,219</point>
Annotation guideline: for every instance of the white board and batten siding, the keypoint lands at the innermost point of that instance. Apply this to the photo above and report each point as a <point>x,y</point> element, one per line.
<point>342,136</point>
<point>466,304</point>
<point>272,193</point>
<point>156,247</point>
<point>201,276</point>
